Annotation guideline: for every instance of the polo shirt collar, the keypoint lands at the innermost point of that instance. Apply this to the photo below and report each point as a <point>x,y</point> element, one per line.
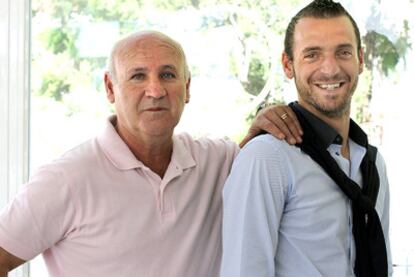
<point>181,156</point>
<point>118,152</point>
<point>329,135</point>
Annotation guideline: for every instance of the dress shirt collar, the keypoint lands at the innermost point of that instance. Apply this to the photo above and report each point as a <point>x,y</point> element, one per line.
<point>121,156</point>
<point>329,135</point>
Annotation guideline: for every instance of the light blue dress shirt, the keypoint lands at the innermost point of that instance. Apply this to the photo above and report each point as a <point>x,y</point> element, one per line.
<point>284,216</point>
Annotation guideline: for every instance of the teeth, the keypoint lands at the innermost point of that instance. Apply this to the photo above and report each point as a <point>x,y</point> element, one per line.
<point>330,86</point>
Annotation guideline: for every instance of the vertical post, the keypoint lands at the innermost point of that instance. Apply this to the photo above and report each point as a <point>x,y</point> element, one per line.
<point>15,18</point>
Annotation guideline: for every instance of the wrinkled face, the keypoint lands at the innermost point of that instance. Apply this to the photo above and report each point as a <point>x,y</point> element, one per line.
<point>325,66</point>
<point>150,89</point>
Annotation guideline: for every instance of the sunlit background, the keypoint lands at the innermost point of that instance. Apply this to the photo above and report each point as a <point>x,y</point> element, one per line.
<point>234,49</point>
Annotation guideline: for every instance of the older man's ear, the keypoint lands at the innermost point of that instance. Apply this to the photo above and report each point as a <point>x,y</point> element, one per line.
<point>187,90</point>
<point>109,87</point>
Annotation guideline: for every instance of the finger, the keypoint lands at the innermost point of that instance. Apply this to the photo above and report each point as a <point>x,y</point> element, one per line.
<point>295,120</point>
<point>278,116</point>
<point>278,128</point>
<point>286,114</point>
<point>292,123</point>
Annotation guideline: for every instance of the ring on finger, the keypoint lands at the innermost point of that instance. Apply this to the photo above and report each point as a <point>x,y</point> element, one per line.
<point>284,116</point>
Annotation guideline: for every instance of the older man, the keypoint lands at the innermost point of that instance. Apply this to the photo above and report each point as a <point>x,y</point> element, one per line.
<point>136,200</point>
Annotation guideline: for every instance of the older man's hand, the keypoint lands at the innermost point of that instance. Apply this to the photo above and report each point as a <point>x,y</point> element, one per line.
<point>277,120</point>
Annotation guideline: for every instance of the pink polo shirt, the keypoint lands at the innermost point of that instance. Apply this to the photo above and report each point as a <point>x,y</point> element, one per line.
<point>98,211</point>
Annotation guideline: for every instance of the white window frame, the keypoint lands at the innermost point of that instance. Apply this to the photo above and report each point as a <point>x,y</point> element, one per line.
<point>15,16</point>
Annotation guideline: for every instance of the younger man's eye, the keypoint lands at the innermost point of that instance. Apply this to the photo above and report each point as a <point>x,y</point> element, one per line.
<point>345,53</point>
<point>310,56</point>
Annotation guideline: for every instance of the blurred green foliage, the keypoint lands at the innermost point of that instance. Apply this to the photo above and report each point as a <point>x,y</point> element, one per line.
<point>258,24</point>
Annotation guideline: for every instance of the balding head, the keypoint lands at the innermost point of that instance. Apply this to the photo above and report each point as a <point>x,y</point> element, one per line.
<point>124,46</point>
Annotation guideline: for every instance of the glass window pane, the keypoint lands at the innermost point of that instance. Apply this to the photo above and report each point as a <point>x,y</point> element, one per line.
<point>234,55</point>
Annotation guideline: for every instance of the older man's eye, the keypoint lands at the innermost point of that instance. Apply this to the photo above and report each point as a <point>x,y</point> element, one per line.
<point>138,76</point>
<point>168,75</point>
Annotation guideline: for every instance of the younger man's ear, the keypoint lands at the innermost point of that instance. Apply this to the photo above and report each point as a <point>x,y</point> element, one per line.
<point>287,64</point>
<point>361,60</point>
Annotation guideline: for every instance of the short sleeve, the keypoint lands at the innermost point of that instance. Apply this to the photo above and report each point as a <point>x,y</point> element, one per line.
<point>41,215</point>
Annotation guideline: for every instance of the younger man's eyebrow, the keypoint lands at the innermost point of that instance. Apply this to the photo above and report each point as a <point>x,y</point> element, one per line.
<point>345,45</point>
<point>311,48</point>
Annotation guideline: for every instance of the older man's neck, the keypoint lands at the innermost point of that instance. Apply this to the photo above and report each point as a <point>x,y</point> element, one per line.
<point>153,151</point>
<point>155,160</point>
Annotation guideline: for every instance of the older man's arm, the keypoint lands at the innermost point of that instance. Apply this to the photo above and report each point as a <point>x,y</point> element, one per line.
<point>8,262</point>
<point>277,120</point>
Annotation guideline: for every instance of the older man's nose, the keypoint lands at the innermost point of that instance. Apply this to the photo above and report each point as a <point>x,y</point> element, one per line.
<point>155,89</point>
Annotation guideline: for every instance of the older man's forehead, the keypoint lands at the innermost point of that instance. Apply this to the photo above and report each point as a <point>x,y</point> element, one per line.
<point>144,68</point>
<point>150,51</point>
